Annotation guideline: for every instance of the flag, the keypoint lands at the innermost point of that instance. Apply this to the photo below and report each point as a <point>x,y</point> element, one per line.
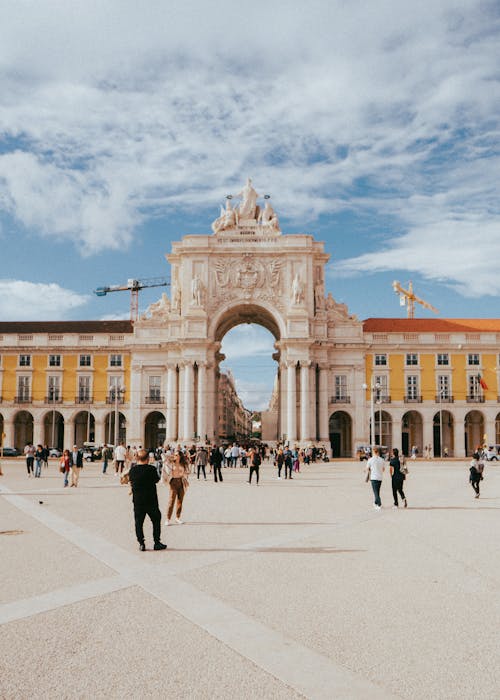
<point>482,382</point>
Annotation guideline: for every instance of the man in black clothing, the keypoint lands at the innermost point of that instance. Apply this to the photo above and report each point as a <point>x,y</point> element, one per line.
<point>216,461</point>
<point>143,478</point>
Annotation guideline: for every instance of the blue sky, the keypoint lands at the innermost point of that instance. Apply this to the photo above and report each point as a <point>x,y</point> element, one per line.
<point>374,126</point>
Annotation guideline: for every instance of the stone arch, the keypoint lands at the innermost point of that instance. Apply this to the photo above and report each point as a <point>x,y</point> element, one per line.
<point>412,432</point>
<point>340,431</point>
<point>443,433</point>
<point>109,428</point>
<point>53,429</point>
<point>234,314</point>
<point>473,431</point>
<point>84,428</point>
<point>155,429</point>
<point>23,429</point>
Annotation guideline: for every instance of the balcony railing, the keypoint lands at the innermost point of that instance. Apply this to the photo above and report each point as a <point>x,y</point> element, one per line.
<point>475,399</point>
<point>113,398</point>
<point>340,399</point>
<point>24,398</point>
<point>84,398</point>
<point>413,399</point>
<point>152,398</point>
<point>53,399</point>
<point>445,399</point>
<point>383,398</point>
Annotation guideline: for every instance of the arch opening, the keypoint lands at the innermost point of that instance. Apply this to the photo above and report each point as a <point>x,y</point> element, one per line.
<point>23,430</point>
<point>53,428</point>
<point>340,431</point>
<point>443,434</point>
<point>411,432</point>
<point>155,430</point>
<point>473,431</point>
<point>84,428</point>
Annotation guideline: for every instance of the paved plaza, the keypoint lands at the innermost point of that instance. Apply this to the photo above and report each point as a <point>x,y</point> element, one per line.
<point>278,591</point>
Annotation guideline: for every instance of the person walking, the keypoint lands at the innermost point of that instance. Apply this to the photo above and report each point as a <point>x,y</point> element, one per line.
<point>254,461</point>
<point>376,467</point>
<point>200,461</point>
<point>216,458</point>
<point>106,456</point>
<point>288,461</point>
<point>475,473</point>
<point>65,465</point>
<point>397,477</point>
<point>120,457</point>
<point>280,461</point>
<point>39,458</point>
<point>29,453</point>
<point>143,478</point>
<point>76,465</point>
<point>177,479</point>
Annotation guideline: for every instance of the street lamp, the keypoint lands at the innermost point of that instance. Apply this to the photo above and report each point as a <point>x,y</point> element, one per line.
<point>119,391</point>
<point>373,388</point>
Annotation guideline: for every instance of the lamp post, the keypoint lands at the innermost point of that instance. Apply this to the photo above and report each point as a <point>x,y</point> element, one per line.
<point>373,388</point>
<point>118,392</point>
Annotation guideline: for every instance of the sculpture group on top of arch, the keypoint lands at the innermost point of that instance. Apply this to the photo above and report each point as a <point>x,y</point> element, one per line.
<point>247,212</point>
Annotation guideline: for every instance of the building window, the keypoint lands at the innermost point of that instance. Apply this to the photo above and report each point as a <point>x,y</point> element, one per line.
<point>23,388</point>
<point>340,387</point>
<point>443,385</point>
<point>85,360</point>
<point>115,360</point>
<point>54,360</point>
<point>154,388</point>
<point>474,388</point>
<point>443,359</point>
<point>411,359</point>
<point>473,359</point>
<point>381,388</point>
<point>84,388</point>
<point>24,360</point>
<point>412,387</point>
<point>54,389</point>
<point>381,360</point>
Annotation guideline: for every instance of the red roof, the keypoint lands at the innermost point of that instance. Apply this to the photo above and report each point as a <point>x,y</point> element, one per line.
<point>431,325</point>
<point>66,327</point>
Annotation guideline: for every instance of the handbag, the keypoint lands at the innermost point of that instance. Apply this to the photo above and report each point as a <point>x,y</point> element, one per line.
<point>404,468</point>
<point>367,477</point>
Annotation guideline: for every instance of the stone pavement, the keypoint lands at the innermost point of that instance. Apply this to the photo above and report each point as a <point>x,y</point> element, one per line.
<point>277,591</point>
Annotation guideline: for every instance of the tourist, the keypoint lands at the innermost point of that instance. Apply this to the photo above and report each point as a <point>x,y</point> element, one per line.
<point>280,458</point>
<point>475,473</point>
<point>398,477</point>
<point>375,468</point>
<point>120,457</point>
<point>106,455</point>
<point>46,455</point>
<point>201,460</point>
<point>254,460</point>
<point>176,475</point>
<point>39,458</point>
<point>288,461</point>
<point>76,465</point>
<point>65,465</point>
<point>414,452</point>
<point>29,453</point>
<point>216,458</point>
<point>235,453</point>
<point>227,457</point>
<point>143,478</point>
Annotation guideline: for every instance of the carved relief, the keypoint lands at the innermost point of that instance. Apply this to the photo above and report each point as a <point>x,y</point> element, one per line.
<point>246,278</point>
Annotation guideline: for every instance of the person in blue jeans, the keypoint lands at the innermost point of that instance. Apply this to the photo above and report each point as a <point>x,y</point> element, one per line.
<point>39,459</point>
<point>376,468</point>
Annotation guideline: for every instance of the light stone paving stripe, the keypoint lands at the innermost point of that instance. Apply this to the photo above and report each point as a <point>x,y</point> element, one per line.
<point>308,672</point>
<point>61,596</point>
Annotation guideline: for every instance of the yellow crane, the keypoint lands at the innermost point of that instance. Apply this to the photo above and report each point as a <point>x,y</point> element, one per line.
<point>408,299</point>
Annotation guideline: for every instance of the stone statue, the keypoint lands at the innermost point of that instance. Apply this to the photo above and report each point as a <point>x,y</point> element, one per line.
<point>267,217</point>
<point>197,289</point>
<point>297,289</point>
<point>319,296</point>
<point>158,308</point>
<point>228,218</point>
<point>330,302</point>
<point>248,206</point>
<point>176,295</point>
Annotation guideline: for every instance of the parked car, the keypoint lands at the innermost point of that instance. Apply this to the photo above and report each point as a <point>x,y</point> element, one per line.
<point>54,452</point>
<point>91,453</point>
<point>491,453</point>
<point>10,452</point>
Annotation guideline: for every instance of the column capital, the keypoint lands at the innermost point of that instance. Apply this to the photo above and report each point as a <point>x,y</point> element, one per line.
<point>306,364</point>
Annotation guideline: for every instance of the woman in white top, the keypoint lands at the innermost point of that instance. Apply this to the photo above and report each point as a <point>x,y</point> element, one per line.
<point>376,467</point>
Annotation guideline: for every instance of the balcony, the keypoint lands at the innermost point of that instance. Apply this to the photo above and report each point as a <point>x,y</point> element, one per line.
<point>340,399</point>
<point>24,398</point>
<point>84,398</point>
<point>413,399</point>
<point>383,398</point>
<point>153,398</point>
<point>475,399</point>
<point>444,399</point>
<point>114,398</point>
<point>53,399</point>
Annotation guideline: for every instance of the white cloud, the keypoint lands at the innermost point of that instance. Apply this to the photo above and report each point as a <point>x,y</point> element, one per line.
<point>246,341</point>
<point>255,395</point>
<point>117,110</point>
<point>29,301</point>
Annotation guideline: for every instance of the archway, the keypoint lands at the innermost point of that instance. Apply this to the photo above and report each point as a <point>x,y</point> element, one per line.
<point>411,432</point>
<point>23,429</point>
<point>443,433</point>
<point>497,429</point>
<point>383,429</point>
<point>84,428</point>
<point>473,431</point>
<point>54,430</point>
<point>155,430</point>
<point>109,428</point>
<point>340,430</point>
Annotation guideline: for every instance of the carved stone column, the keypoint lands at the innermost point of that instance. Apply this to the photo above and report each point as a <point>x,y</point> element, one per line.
<point>201,418</point>
<point>99,438</point>
<point>171,404</point>
<point>8,429</point>
<point>305,415</point>
<point>69,433</point>
<point>188,396</point>
<point>291,403</point>
<point>323,404</point>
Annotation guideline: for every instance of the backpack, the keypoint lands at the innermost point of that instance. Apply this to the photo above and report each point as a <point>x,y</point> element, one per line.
<point>256,460</point>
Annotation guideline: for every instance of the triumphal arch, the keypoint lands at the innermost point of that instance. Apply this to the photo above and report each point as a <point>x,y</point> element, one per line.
<point>245,271</point>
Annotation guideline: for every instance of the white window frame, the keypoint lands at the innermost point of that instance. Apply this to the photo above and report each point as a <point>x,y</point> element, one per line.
<point>85,364</point>
<point>443,386</point>
<point>84,387</point>
<point>340,386</point>
<point>443,355</point>
<point>413,355</point>
<point>473,363</point>
<point>116,360</point>
<point>24,387</point>
<point>377,360</point>
<point>24,360</point>
<point>412,386</point>
<point>57,361</point>
<point>54,387</point>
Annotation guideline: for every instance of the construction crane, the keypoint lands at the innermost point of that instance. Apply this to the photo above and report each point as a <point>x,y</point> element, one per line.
<point>134,286</point>
<point>408,299</point>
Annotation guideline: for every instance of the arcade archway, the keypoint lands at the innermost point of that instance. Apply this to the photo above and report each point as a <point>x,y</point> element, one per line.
<point>383,428</point>
<point>340,431</point>
<point>411,432</point>
<point>23,429</point>
<point>109,428</point>
<point>155,430</point>
<point>443,434</point>
<point>84,430</point>
<point>53,426</point>
<point>473,431</point>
